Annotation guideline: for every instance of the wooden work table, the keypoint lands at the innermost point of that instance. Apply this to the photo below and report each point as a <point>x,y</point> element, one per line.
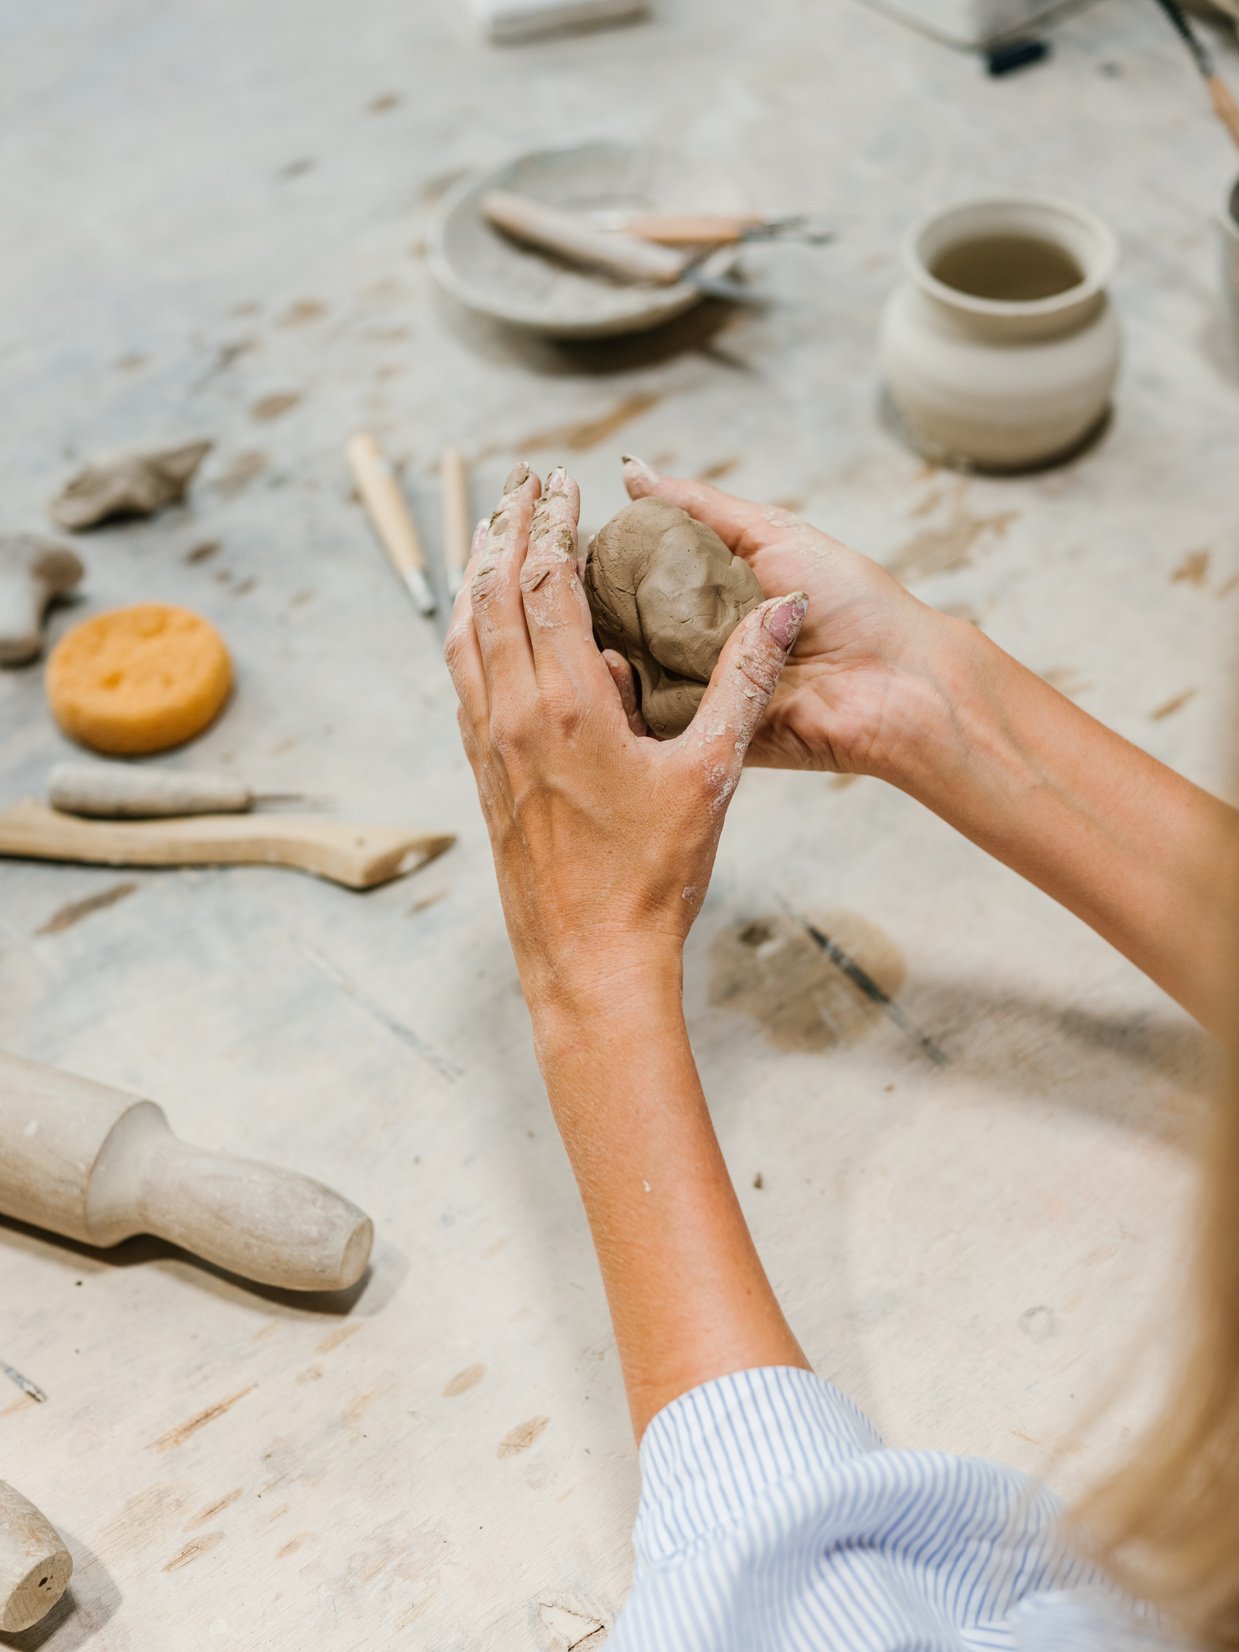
<point>215,225</point>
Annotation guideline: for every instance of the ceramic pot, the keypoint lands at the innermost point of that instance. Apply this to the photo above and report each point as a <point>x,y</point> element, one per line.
<point>1000,349</point>
<point>1230,256</point>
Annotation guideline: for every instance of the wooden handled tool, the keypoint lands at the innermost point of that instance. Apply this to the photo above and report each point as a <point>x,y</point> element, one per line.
<point>718,229</point>
<point>98,1165</point>
<point>120,791</point>
<point>389,516</point>
<point>35,1565</point>
<point>1222,98</point>
<point>624,256</point>
<point>356,856</point>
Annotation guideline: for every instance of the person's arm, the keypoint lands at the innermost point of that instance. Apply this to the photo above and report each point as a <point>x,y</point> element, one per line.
<point>1139,853</point>
<point>688,1296</point>
<point>881,684</point>
<point>604,842</point>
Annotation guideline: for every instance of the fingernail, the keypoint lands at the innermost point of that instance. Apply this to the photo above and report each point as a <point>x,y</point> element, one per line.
<point>784,619</point>
<point>557,481</point>
<point>479,535</point>
<point>638,467</point>
<point>518,475</point>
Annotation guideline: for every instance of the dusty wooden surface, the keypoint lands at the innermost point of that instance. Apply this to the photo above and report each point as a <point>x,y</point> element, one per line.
<point>215,222</point>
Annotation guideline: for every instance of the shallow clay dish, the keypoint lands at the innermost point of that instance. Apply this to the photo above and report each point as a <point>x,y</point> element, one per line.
<point>494,276</point>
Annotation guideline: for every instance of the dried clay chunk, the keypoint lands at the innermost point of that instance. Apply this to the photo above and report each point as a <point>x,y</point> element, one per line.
<point>666,593</point>
<point>138,679</point>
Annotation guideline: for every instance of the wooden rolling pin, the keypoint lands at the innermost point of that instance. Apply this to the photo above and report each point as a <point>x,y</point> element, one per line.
<point>35,1565</point>
<point>357,856</point>
<point>124,791</point>
<point>99,1165</point>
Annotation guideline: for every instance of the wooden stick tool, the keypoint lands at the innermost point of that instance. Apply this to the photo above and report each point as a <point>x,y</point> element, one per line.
<point>389,515</point>
<point>125,791</point>
<point>625,257</point>
<point>98,1165</point>
<point>457,526</point>
<point>35,1564</point>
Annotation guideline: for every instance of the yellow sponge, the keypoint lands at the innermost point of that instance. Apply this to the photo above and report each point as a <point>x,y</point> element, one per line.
<point>138,679</point>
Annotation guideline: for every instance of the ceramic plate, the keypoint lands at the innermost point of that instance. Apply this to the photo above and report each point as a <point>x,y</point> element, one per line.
<point>494,276</point>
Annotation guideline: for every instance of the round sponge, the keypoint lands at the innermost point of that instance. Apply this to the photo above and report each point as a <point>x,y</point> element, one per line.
<point>138,679</point>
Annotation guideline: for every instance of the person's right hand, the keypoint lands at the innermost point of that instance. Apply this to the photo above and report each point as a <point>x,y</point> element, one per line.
<point>862,675</point>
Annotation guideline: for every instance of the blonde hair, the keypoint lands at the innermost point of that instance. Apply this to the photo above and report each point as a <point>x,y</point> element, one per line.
<point>1166,1525</point>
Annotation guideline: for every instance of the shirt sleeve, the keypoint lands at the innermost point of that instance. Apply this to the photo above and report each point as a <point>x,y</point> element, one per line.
<point>772,1519</point>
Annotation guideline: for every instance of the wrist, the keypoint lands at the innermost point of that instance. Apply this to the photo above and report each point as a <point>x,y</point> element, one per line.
<point>617,993</point>
<point>939,718</point>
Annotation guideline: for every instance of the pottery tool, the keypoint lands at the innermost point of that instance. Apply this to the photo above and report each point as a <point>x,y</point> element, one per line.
<point>35,1565</point>
<point>98,1166</point>
<point>454,481</point>
<point>624,257</point>
<point>118,791</point>
<point>389,516</point>
<point>506,20</point>
<point>31,1390</point>
<point>716,229</point>
<point>359,857</point>
<point>33,573</point>
<point>1225,106</point>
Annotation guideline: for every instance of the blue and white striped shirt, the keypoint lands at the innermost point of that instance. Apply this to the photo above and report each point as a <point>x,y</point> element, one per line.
<point>772,1519</point>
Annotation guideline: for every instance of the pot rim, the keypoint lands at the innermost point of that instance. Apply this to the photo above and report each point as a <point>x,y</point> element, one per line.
<point>1230,210</point>
<point>1093,283</point>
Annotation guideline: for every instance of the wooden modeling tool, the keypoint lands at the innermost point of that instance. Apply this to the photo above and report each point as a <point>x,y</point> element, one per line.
<point>457,526</point>
<point>35,1565</point>
<point>98,1165</point>
<point>625,257</point>
<point>359,857</point>
<point>118,791</point>
<point>717,229</point>
<point>389,516</point>
<point>1223,99</point>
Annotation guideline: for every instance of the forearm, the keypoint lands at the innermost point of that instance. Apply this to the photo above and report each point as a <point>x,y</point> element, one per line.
<point>688,1296</point>
<point>1135,850</point>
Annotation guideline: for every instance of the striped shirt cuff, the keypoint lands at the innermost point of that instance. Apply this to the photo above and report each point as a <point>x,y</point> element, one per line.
<point>707,1457</point>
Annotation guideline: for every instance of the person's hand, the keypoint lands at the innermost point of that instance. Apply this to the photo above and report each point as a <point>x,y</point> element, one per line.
<point>604,840</point>
<point>865,665</point>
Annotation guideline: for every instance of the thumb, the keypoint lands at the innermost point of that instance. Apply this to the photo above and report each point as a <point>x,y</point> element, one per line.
<point>738,693</point>
<point>742,526</point>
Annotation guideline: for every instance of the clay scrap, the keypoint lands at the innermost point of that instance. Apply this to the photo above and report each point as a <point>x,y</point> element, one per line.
<point>33,572</point>
<point>130,484</point>
<point>666,593</point>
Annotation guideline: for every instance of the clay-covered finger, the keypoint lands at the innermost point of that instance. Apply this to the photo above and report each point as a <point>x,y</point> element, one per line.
<point>743,526</point>
<point>560,625</point>
<point>494,586</point>
<point>625,680</point>
<point>461,653</point>
<point>746,676</point>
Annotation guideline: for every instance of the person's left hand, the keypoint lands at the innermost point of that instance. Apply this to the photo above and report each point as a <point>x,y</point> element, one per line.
<point>604,840</point>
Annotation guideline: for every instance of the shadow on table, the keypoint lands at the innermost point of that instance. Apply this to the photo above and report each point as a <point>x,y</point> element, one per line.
<point>375,1288</point>
<point>1028,1045</point>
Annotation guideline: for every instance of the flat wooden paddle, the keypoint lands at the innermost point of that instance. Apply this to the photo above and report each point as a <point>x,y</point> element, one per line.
<point>357,856</point>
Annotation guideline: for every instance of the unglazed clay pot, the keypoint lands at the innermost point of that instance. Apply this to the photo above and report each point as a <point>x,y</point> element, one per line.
<point>1000,349</point>
<point>1230,257</point>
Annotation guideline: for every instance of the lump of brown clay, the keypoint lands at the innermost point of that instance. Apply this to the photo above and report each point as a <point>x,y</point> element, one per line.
<point>132,484</point>
<point>666,593</point>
